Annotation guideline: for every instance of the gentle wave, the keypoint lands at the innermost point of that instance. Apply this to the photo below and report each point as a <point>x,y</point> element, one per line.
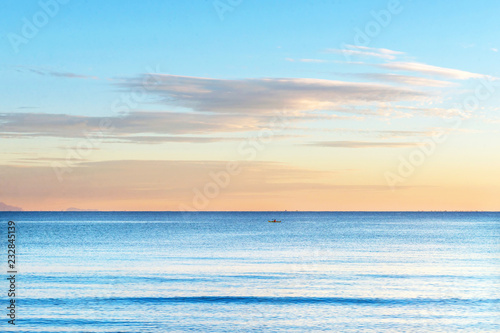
<point>429,276</point>
<point>264,300</point>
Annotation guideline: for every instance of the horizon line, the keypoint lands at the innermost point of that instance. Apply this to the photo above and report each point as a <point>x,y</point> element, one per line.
<point>250,211</point>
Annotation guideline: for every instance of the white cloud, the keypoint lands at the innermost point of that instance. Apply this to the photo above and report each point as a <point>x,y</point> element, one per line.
<point>364,51</point>
<point>431,70</point>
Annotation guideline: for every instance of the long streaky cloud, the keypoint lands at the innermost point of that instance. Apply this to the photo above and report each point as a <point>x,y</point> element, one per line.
<point>406,79</point>
<point>266,95</point>
<point>421,68</point>
<point>364,144</point>
<point>68,75</point>
<point>134,123</point>
<point>366,51</point>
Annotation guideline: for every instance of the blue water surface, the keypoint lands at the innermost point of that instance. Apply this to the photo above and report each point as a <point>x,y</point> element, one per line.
<point>235,272</point>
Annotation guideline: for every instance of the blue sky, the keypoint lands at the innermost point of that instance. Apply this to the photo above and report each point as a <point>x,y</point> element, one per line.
<point>223,74</point>
<point>115,39</point>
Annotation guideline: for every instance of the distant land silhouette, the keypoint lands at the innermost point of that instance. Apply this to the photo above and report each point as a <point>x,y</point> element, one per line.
<point>73,209</point>
<point>8,208</point>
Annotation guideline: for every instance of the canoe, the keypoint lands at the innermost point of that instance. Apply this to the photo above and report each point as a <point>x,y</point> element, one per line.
<point>274,221</point>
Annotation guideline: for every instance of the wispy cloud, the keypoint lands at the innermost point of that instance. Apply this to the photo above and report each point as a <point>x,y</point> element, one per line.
<point>395,134</point>
<point>365,51</point>
<point>429,111</point>
<point>385,134</point>
<point>143,127</point>
<point>69,75</point>
<point>390,55</point>
<point>217,106</point>
<point>71,126</point>
<point>421,68</point>
<point>163,139</point>
<point>267,95</point>
<point>406,79</point>
<point>364,144</point>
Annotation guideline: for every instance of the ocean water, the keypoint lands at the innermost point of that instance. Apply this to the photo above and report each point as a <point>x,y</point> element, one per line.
<point>235,272</point>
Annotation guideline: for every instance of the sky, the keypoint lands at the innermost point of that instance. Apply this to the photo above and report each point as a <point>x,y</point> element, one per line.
<point>328,105</point>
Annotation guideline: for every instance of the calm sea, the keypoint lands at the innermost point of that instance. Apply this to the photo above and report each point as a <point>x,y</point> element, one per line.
<point>235,272</point>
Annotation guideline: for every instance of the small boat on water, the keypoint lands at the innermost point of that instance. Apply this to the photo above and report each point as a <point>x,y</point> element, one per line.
<point>274,221</point>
